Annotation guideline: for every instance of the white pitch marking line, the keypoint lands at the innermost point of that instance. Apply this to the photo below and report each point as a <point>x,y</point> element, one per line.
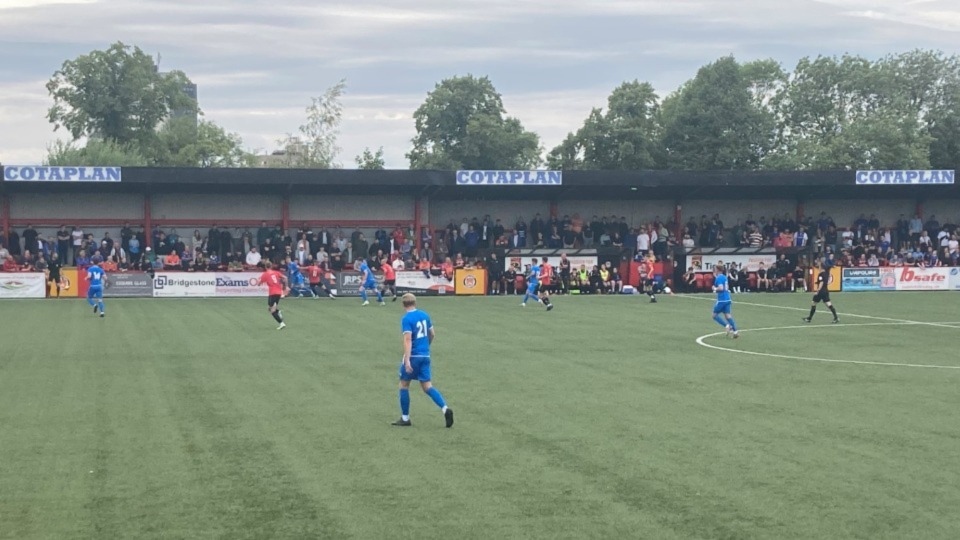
<point>901,321</point>
<point>700,341</point>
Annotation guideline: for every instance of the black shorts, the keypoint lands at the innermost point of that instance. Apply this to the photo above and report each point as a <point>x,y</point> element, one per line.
<point>821,296</point>
<point>273,300</point>
<point>389,282</point>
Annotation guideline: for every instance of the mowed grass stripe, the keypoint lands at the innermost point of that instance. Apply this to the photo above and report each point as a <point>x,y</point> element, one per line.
<point>600,419</point>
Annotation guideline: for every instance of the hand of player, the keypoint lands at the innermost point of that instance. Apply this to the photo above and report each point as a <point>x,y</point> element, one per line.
<point>407,367</point>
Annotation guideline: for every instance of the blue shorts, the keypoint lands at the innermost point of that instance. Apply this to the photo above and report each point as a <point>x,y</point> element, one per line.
<point>722,307</point>
<point>533,288</point>
<point>95,292</point>
<point>370,285</point>
<point>421,369</point>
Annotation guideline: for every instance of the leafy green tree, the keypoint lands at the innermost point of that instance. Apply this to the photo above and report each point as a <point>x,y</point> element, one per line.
<point>183,144</point>
<point>462,125</point>
<point>625,137</point>
<point>712,122</point>
<point>94,153</point>
<point>117,95</point>
<point>371,161</point>
<point>315,147</point>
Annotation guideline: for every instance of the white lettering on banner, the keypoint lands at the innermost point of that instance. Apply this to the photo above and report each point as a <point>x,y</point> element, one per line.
<point>173,284</point>
<point>239,284</point>
<point>749,262</point>
<point>955,279</point>
<point>908,177</point>
<point>33,173</point>
<point>416,281</point>
<point>923,279</point>
<point>23,285</point>
<point>576,262</point>
<point>510,178</point>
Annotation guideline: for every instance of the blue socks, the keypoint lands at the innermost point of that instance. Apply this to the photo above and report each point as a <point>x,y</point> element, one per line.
<point>379,296</point>
<point>436,397</point>
<point>733,324</point>
<point>405,402</point>
<point>100,305</point>
<point>720,320</point>
<point>363,294</point>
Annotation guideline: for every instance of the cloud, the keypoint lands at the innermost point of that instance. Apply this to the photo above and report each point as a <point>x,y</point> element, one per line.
<point>258,62</point>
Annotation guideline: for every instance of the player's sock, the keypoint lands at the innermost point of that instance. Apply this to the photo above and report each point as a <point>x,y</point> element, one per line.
<point>733,324</point>
<point>834,311</point>
<point>276,316</point>
<point>100,306</point>
<point>525,297</point>
<point>379,297</point>
<point>405,403</point>
<point>546,301</point>
<point>813,309</point>
<point>436,397</point>
<point>720,320</point>
<point>363,294</point>
<point>91,302</point>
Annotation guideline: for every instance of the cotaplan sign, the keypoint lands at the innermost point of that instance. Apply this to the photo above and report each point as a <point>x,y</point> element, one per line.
<point>509,178</point>
<point>184,284</point>
<point>34,173</point>
<point>23,285</point>
<point>909,177</point>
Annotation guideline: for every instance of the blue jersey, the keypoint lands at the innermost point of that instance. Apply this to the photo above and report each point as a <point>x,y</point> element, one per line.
<point>724,295</point>
<point>417,324</point>
<point>95,275</point>
<point>535,275</point>
<point>292,268</point>
<point>367,274</point>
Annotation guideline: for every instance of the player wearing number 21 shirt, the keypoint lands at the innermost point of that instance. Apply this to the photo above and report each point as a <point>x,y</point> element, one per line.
<point>276,287</point>
<point>417,335</point>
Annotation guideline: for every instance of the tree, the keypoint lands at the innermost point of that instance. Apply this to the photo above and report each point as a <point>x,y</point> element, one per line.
<point>117,95</point>
<point>625,137</point>
<point>712,122</point>
<point>462,125</point>
<point>183,144</point>
<point>370,161</point>
<point>316,145</point>
<point>95,153</point>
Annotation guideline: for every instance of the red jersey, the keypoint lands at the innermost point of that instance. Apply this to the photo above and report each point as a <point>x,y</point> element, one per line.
<point>546,273</point>
<point>313,274</point>
<point>388,273</point>
<point>274,282</point>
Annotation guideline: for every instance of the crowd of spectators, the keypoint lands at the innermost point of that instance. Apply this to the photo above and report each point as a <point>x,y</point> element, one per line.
<point>865,242</point>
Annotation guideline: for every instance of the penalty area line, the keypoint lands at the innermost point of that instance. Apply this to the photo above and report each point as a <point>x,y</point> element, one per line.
<point>700,341</point>
<point>855,315</point>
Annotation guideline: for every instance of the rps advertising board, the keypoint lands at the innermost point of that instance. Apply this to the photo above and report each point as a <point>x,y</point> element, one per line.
<point>184,284</point>
<point>348,283</point>
<point>123,285</point>
<point>868,279</point>
<point>923,279</point>
<point>23,285</point>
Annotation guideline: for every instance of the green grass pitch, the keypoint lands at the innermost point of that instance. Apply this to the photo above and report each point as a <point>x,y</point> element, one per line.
<point>602,419</point>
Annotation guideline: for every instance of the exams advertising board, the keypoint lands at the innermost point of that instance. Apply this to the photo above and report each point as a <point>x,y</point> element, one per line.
<point>904,177</point>
<point>34,173</point>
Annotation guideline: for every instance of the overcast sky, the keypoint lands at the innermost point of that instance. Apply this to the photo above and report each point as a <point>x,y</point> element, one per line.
<point>257,62</point>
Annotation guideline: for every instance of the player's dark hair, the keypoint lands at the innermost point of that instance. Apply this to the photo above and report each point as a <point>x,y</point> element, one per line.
<point>544,259</point>
<point>719,268</point>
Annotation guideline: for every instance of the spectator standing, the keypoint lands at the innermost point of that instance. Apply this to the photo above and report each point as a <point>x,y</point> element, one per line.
<point>643,241</point>
<point>63,243</point>
<point>76,237</point>
<point>196,242</point>
<point>30,239</point>
<point>213,240</point>
<point>135,252</point>
<point>13,243</point>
